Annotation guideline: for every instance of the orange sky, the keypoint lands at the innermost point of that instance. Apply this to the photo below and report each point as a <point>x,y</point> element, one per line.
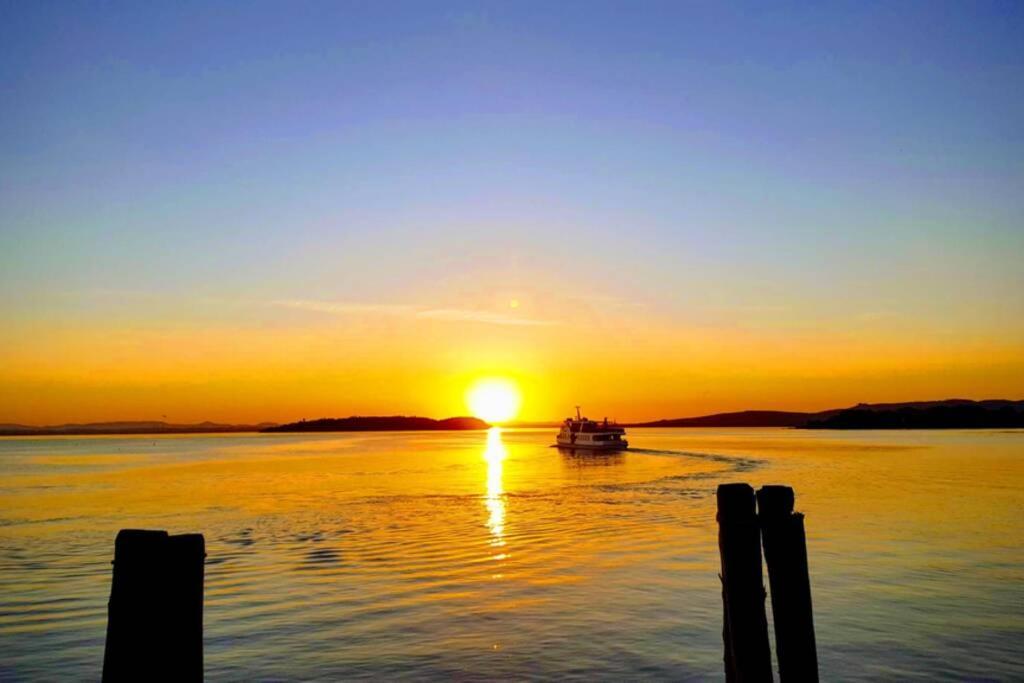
<point>246,362</point>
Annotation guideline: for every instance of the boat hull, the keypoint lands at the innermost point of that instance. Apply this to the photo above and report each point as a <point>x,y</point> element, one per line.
<point>620,445</point>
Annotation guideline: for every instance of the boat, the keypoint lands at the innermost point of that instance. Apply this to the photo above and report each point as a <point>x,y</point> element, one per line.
<point>581,432</point>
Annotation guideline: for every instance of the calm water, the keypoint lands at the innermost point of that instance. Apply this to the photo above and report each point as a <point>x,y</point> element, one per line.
<point>484,555</point>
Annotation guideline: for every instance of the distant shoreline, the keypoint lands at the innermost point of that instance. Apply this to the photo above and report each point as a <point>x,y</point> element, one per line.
<point>955,414</point>
<point>348,424</point>
<point>946,414</point>
<point>393,423</point>
<point>129,429</point>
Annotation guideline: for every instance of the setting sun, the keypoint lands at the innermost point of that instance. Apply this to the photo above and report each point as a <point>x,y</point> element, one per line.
<point>493,399</point>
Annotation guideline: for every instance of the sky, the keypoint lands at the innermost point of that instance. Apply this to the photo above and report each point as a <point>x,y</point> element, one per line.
<point>269,211</point>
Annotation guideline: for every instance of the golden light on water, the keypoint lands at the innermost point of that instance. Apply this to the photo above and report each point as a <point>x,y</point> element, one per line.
<point>494,399</point>
<point>494,455</point>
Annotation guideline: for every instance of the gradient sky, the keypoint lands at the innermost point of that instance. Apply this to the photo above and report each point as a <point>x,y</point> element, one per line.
<point>268,211</point>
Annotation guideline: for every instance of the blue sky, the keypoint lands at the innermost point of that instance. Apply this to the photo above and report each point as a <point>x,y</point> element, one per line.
<point>710,126</point>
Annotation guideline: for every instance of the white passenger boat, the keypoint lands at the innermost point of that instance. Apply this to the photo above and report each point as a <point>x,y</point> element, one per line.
<point>584,433</point>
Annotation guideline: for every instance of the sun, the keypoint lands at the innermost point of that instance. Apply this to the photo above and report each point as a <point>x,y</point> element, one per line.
<point>493,399</point>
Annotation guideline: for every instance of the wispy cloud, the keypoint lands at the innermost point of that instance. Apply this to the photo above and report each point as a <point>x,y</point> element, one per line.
<point>489,317</point>
<point>606,301</point>
<point>344,307</point>
<point>877,316</point>
<point>752,309</point>
<point>443,314</point>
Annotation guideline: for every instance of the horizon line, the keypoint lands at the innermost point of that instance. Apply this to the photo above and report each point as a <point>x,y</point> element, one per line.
<point>510,423</point>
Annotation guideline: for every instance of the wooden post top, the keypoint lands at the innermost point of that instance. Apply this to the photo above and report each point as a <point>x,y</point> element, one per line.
<point>775,501</point>
<point>143,544</point>
<point>736,503</point>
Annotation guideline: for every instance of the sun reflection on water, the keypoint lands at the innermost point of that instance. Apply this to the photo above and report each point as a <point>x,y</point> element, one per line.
<point>494,455</point>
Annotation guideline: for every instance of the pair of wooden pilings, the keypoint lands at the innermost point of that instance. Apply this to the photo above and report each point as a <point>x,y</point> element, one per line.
<point>744,523</point>
<point>155,614</point>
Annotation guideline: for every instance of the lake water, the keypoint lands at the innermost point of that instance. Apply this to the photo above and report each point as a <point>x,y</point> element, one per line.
<point>483,555</point>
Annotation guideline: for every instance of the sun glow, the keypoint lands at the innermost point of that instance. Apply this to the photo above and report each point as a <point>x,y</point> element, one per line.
<point>494,400</point>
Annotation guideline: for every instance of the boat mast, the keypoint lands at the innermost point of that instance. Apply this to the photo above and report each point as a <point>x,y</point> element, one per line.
<point>578,418</point>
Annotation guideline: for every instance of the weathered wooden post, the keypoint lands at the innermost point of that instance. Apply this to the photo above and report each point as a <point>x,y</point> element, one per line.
<point>155,614</point>
<point>785,553</point>
<point>748,656</point>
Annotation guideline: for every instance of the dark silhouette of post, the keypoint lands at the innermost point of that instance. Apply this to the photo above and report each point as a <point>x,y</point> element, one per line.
<point>748,656</point>
<point>155,614</point>
<point>785,553</point>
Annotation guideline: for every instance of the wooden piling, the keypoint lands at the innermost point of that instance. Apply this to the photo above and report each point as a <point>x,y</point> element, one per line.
<point>745,632</point>
<point>785,553</point>
<point>155,613</point>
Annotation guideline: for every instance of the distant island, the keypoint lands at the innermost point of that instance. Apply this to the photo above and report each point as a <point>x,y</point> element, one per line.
<point>395,423</point>
<point>950,414</point>
<point>956,413</point>
<point>141,427</point>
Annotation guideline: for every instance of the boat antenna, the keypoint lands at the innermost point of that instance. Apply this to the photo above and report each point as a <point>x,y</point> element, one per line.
<point>578,413</point>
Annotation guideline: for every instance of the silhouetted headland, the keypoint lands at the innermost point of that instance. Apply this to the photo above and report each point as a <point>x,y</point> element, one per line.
<point>954,413</point>
<point>395,423</point>
<point>951,414</point>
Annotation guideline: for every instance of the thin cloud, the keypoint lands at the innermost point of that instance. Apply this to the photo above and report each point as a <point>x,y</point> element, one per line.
<point>344,307</point>
<point>876,316</point>
<point>443,314</point>
<point>751,308</point>
<point>607,301</point>
<point>465,315</point>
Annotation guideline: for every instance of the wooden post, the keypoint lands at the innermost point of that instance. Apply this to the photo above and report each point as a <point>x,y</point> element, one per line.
<point>155,614</point>
<point>748,656</point>
<point>785,553</point>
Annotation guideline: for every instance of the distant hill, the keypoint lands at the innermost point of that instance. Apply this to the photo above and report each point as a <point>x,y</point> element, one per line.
<point>955,413</point>
<point>140,427</point>
<point>950,414</point>
<point>392,423</point>
<point>746,418</point>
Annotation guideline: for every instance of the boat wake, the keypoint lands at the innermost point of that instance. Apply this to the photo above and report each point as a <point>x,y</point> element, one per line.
<point>735,463</point>
<point>738,463</point>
